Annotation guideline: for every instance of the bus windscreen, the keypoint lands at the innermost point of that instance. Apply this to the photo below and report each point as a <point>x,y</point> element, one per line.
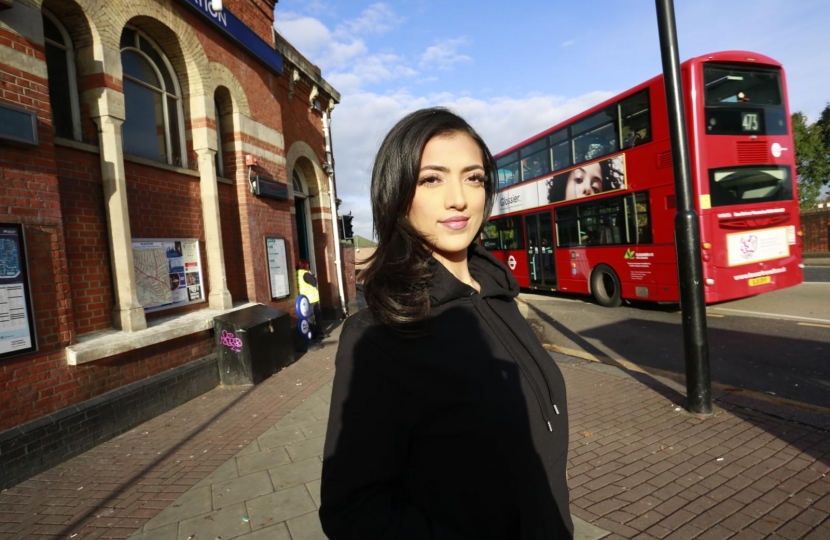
<point>743,101</point>
<point>749,185</point>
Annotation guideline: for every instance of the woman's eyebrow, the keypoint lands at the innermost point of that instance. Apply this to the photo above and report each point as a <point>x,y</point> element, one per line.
<point>441,168</point>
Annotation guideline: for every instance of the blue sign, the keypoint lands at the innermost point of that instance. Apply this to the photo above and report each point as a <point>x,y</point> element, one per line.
<point>238,32</point>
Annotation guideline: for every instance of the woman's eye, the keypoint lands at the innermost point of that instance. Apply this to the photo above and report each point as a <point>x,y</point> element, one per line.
<point>429,180</point>
<point>476,178</point>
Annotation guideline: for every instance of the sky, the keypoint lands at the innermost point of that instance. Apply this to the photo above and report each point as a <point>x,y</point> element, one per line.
<point>513,69</point>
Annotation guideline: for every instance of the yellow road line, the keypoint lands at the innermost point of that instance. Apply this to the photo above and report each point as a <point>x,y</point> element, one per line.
<point>814,324</point>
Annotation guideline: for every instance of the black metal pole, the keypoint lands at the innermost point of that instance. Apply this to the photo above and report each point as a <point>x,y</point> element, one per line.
<point>686,225</point>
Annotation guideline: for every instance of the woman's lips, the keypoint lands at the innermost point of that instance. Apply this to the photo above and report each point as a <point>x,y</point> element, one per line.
<point>455,223</point>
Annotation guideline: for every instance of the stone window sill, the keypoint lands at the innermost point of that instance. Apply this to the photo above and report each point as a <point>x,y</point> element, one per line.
<point>108,343</point>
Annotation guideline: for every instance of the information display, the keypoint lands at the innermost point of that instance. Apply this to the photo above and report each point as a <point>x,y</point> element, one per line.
<point>17,325</point>
<point>168,272</point>
<point>277,267</point>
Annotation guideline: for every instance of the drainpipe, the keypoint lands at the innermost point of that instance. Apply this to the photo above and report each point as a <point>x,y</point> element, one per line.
<point>328,166</point>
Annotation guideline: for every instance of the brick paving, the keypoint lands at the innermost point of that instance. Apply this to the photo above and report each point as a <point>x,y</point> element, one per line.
<point>244,463</point>
<point>112,490</point>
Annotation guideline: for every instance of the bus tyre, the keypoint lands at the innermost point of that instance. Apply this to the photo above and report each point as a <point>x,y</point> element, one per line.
<point>605,286</point>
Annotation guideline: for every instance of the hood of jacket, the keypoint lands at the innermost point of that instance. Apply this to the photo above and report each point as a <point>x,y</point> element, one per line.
<point>493,276</point>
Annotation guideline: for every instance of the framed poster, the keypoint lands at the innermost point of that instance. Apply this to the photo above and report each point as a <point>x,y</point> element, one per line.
<point>17,323</point>
<point>277,267</point>
<point>168,272</point>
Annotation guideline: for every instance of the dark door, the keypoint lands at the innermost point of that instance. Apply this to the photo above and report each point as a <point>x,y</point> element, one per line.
<point>302,230</point>
<point>541,264</point>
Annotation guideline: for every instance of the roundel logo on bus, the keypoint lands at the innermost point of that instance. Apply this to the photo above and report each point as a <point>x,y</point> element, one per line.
<point>777,149</point>
<point>511,262</point>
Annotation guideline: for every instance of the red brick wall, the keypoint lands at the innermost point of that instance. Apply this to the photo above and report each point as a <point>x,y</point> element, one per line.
<point>87,244</point>
<point>32,386</point>
<point>815,224</point>
<point>232,242</point>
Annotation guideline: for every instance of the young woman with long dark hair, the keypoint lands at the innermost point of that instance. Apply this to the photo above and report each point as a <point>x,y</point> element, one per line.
<point>448,418</point>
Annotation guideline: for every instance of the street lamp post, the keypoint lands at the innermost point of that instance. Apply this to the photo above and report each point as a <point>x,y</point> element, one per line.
<point>686,225</point>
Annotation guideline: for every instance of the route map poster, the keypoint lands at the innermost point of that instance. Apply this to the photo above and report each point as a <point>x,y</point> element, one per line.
<point>17,324</point>
<point>277,267</point>
<point>168,272</point>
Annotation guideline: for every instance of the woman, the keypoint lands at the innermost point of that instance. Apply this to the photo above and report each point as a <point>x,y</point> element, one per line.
<point>448,418</point>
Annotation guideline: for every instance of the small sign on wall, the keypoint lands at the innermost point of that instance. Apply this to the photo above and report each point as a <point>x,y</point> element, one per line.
<point>278,270</point>
<point>17,323</point>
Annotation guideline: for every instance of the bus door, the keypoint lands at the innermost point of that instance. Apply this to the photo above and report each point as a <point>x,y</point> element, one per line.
<point>540,260</point>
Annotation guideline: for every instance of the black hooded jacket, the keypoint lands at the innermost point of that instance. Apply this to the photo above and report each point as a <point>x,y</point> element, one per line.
<point>461,433</point>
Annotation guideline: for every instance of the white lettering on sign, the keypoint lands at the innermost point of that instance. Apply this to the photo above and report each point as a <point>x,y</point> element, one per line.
<point>220,16</point>
<point>511,262</point>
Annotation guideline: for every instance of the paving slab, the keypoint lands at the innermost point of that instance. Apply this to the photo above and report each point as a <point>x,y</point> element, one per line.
<point>241,489</point>
<point>280,506</point>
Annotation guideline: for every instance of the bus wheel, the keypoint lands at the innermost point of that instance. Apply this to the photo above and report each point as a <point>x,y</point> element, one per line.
<point>605,286</point>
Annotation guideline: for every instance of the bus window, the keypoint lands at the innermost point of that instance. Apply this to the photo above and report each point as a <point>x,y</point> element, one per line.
<point>535,159</point>
<point>743,101</point>
<point>504,233</point>
<point>635,120</point>
<point>561,144</point>
<point>637,219</point>
<point>597,136</point>
<point>747,185</point>
<point>508,167</point>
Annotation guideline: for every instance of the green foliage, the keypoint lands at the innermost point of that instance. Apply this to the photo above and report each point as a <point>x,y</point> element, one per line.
<point>812,156</point>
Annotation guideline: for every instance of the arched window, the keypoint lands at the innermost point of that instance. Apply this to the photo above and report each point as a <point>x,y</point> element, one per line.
<point>60,68</point>
<point>154,125</point>
<point>219,158</point>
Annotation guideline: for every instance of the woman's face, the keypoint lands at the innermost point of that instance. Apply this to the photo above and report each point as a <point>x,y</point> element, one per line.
<point>448,206</point>
<point>584,181</point>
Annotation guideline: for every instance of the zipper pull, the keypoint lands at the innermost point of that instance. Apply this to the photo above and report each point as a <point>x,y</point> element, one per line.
<point>550,428</point>
<point>555,408</point>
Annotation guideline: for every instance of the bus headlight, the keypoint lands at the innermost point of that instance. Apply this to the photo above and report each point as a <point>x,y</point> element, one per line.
<point>801,265</point>
<point>710,281</point>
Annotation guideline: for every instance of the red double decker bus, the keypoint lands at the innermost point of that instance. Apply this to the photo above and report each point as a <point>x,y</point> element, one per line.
<point>588,205</point>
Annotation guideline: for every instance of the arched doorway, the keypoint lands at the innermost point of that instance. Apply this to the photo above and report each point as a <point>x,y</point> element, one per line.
<point>302,219</point>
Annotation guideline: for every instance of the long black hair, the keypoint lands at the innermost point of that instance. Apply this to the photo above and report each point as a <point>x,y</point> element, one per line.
<point>396,281</point>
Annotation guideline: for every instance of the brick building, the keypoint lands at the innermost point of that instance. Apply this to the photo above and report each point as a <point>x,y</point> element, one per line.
<point>816,226</point>
<point>154,121</point>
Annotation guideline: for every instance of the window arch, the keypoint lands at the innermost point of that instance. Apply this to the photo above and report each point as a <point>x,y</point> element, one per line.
<point>154,126</point>
<point>60,69</point>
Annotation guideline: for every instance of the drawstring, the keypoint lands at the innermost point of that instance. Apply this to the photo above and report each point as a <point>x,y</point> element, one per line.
<point>538,366</point>
<point>519,362</point>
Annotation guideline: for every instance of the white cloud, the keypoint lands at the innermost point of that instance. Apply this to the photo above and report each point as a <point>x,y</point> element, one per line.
<point>443,55</point>
<point>307,34</point>
<point>376,19</point>
<point>361,121</point>
<point>568,43</point>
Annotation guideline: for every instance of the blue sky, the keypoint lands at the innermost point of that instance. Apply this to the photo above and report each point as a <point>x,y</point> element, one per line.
<point>515,68</point>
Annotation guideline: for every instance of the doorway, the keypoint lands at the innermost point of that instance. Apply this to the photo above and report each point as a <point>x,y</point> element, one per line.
<point>302,220</point>
<point>540,259</point>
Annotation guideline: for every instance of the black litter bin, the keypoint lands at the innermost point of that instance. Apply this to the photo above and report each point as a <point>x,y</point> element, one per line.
<point>252,344</point>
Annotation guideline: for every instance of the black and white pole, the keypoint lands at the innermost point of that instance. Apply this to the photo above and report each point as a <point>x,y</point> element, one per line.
<point>686,225</point>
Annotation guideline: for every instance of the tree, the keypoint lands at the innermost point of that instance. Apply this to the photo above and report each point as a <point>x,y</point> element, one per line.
<point>812,158</point>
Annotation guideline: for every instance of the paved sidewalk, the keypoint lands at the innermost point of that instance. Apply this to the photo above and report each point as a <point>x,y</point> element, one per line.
<point>640,467</point>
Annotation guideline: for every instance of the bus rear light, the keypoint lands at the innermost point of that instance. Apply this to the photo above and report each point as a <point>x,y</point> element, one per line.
<point>801,265</point>
<point>800,233</point>
<point>707,245</point>
<point>705,256</point>
<point>710,281</point>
